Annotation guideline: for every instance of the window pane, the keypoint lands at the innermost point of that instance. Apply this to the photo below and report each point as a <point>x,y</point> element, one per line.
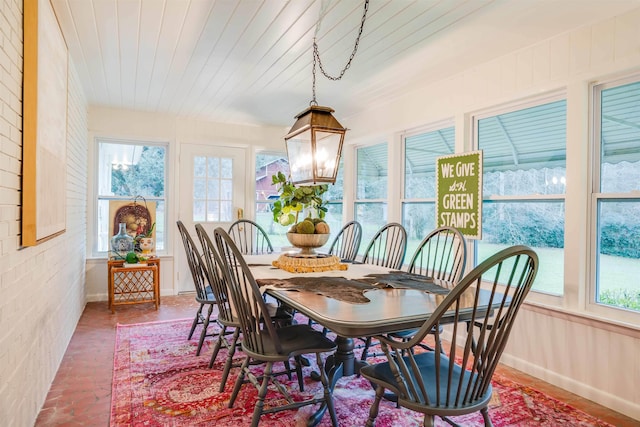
<point>618,220</point>
<point>213,211</point>
<point>267,165</point>
<point>418,219</point>
<point>276,232</point>
<point>226,168</point>
<point>226,190</point>
<point>213,171</point>
<point>335,191</point>
<point>372,172</point>
<point>420,156</point>
<point>211,189</point>
<point>226,211</point>
<point>160,226</point>
<point>539,225</point>
<point>372,216</point>
<point>334,219</point>
<point>524,153</point>
<point>532,141</point>
<point>618,263</point>
<point>620,139</point>
<point>199,166</point>
<point>131,170</point>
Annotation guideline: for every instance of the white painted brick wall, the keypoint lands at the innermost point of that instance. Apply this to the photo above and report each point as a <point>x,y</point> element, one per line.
<point>42,288</point>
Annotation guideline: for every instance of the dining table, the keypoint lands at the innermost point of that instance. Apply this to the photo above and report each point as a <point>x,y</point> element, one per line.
<point>358,301</point>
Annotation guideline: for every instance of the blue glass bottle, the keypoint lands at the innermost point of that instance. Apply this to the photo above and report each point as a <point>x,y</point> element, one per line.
<point>122,243</point>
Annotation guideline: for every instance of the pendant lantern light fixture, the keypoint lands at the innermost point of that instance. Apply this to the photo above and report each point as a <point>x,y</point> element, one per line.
<point>314,143</point>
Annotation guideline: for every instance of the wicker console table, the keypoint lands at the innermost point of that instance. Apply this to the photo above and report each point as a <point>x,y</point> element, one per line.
<point>135,284</point>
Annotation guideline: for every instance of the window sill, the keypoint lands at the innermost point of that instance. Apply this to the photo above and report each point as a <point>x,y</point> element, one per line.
<point>587,319</point>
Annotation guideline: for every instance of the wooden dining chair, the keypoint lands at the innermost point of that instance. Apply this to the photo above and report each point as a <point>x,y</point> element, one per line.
<point>387,247</point>
<point>441,255</point>
<point>226,318</point>
<point>250,238</point>
<point>347,242</point>
<point>263,342</point>
<point>204,294</point>
<point>456,378</point>
<point>228,322</point>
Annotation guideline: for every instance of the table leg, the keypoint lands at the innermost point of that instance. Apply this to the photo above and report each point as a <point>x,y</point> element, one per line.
<point>342,363</point>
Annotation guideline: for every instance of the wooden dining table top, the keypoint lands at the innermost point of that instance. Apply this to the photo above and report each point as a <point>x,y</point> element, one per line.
<point>388,309</point>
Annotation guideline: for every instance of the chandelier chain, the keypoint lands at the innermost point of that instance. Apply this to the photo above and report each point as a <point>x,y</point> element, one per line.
<point>317,61</point>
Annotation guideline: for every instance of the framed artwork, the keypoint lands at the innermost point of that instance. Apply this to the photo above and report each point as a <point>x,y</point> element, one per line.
<point>44,183</point>
<point>138,217</point>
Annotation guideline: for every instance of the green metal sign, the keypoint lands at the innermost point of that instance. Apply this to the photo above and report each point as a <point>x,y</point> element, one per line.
<point>459,193</point>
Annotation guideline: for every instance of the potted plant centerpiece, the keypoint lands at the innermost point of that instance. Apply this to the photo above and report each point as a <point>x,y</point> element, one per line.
<point>303,209</point>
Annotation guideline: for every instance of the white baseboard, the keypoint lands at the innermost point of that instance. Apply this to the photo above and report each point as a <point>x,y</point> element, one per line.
<point>103,296</point>
<point>616,403</point>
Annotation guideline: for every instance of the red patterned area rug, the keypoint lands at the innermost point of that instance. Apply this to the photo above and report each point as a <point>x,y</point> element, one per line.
<point>159,381</point>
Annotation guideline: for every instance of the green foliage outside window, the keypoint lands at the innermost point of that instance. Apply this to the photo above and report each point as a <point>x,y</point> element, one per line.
<point>145,178</point>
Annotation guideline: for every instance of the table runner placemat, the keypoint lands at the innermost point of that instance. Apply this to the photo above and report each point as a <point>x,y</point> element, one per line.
<point>339,288</point>
<point>403,280</point>
<point>353,291</point>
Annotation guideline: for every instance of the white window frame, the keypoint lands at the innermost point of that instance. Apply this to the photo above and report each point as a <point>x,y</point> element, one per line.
<point>357,200</point>
<point>404,201</point>
<point>522,104</point>
<point>598,309</point>
<point>94,197</point>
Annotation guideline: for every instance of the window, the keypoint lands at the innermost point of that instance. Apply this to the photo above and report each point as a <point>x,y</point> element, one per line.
<point>334,197</point>
<point>371,190</point>
<point>418,206</point>
<point>126,170</point>
<point>616,194</point>
<point>268,164</point>
<point>524,152</point>
<point>212,189</point>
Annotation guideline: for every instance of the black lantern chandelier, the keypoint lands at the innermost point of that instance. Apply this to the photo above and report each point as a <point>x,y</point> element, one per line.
<point>314,143</point>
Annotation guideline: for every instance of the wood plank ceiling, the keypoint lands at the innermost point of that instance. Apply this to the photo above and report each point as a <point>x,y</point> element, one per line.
<point>250,61</point>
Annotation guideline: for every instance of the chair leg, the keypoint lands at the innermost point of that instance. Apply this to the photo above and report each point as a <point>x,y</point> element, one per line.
<point>485,416</point>
<point>195,321</point>
<point>217,346</point>
<point>365,350</point>
<point>229,362</point>
<point>299,372</point>
<point>287,366</point>
<point>239,382</point>
<point>328,398</point>
<point>375,406</point>
<point>262,393</point>
<point>429,421</point>
<point>205,326</point>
